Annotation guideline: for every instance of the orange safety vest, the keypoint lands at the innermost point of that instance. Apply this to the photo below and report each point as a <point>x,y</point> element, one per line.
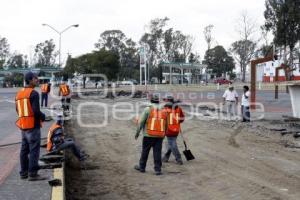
<point>64,89</point>
<point>44,88</point>
<point>173,121</point>
<point>24,109</point>
<point>156,123</point>
<point>50,133</point>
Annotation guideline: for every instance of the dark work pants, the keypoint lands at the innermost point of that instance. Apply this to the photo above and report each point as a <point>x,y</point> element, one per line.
<point>65,102</point>
<point>70,144</point>
<point>44,98</point>
<point>156,144</point>
<point>30,152</point>
<point>246,113</point>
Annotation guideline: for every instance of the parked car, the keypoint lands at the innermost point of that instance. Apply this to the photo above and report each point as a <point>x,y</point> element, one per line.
<point>222,81</point>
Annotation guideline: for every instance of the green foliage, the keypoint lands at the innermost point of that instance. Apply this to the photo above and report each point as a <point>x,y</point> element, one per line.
<point>14,79</point>
<point>283,18</point>
<point>219,61</point>
<point>17,61</point>
<point>45,54</point>
<point>103,61</point>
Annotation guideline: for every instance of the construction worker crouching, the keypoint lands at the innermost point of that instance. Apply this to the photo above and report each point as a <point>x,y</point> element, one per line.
<point>45,89</point>
<point>56,141</point>
<point>175,117</point>
<point>64,91</point>
<point>153,122</point>
<point>29,122</point>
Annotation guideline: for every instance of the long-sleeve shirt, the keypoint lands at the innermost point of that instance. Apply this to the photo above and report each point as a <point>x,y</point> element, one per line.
<point>35,105</point>
<point>143,119</point>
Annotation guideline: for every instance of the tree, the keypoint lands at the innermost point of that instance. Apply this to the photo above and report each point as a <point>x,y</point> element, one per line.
<point>208,35</point>
<point>219,61</point>
<point>100,62</point>
<point>45,54</point>
<point>244,49</point>
<point>116,41</point>
<point>4,50</point>
<point>165,45</point>
<point>283,19</point>
<point>17,61</point>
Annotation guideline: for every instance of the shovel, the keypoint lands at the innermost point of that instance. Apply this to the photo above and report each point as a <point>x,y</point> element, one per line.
<point>187,153</point>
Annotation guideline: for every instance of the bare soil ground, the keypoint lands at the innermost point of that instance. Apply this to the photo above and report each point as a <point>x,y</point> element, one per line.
<point>233,161</point>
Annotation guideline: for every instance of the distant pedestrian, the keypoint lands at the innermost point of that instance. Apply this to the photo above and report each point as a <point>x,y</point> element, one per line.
<point>245,104</point>
<point>29,121</point>
<point>175,117</point>
<point>45,89</point>
<point>230,98</point>
<point>153,122</point>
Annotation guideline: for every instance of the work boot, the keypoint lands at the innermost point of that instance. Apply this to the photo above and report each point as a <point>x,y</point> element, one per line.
<point>84,157</point>
<point>158,173</point>
<point>179,162</point>
<point>137,167</point>
<point>164,159</point>
<point>23,177</point>
<point>36,178</point>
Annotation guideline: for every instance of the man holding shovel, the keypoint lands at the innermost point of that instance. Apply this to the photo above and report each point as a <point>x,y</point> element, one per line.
<point>175,118</point>
<point>153,122</point>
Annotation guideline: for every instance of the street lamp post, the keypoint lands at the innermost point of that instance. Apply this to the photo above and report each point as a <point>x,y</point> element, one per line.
<point>60,33</point>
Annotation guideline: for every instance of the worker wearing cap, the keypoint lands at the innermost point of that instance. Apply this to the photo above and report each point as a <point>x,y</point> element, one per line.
<point>64,92</point>
<point>45,89</point>
<point>230,98</point>
<point>29,122</point>
<point>175,117</point>
<point>153,121</point>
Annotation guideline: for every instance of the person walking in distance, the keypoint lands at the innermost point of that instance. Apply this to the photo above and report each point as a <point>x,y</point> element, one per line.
<point>65,92</point>
<point>45,89</point>
<point>153,122</point>
<point>245,104</point>
<point>29,122</point>
<point>175,117</point>
<point>230,97</point>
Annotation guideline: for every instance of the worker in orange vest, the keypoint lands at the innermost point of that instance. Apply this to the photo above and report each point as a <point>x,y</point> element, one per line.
<point>29,122</point>
<point>153,122</point>
<point>64,91</point>
<point>45,89</point>
<point>56,141</point>
<point>175,118</point>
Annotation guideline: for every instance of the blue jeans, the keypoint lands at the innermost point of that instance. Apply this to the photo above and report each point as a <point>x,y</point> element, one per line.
<point>172,148</point>
<point>70,144</point>
<point>246,113</point>
<point>30,152</point>
<point>44,99</point>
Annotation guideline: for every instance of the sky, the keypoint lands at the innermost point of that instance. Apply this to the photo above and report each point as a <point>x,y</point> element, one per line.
<point>21,21</point>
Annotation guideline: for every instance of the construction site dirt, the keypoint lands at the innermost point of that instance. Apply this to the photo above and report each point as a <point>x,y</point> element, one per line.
<point>233,160</point>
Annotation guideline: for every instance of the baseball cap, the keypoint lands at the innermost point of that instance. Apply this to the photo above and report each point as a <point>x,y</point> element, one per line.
<point>169,98</point>
<point>29,76</point>
<point>154,98</point>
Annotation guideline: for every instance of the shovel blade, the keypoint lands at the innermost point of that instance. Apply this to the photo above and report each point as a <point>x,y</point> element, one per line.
<point>188,155</point>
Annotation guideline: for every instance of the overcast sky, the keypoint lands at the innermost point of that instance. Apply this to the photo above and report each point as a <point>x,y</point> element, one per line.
<point>21,20</point>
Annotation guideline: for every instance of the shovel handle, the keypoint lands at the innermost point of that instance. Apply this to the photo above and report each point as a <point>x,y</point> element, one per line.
<point>183,140</point>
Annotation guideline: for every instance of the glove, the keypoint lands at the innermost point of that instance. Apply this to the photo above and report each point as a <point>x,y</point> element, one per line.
<point>136,136</point>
